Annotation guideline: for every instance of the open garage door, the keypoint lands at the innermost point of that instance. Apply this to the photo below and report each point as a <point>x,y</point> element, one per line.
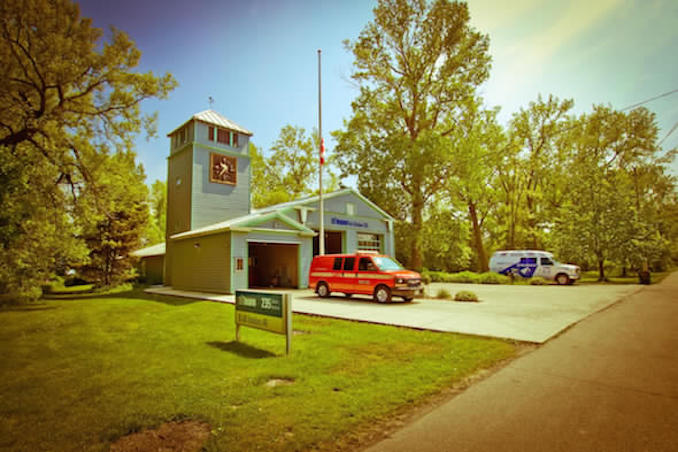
<point>273,265</point>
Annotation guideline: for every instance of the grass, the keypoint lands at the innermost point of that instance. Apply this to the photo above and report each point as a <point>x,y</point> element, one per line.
<point>76,374</point>
<point>591,277</point>
<point>60,290</point>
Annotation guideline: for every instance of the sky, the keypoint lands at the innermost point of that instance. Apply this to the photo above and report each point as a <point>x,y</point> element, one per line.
<point>258,59</point>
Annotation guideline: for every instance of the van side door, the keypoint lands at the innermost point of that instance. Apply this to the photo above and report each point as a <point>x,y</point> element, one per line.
<point>335,280</point>
<point>348,275</point>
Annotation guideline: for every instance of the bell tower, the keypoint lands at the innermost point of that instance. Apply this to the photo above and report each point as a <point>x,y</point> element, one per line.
<point>208,175</point>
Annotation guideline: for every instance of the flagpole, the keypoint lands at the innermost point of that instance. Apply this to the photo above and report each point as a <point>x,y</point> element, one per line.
<point>321,238</point>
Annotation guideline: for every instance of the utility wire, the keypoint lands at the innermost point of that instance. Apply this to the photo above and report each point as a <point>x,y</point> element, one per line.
<point>650,100</point>
<point>673,129</point>
<point>668,93</point>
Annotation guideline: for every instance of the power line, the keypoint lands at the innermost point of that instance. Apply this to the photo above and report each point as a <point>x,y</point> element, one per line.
<point>650,100</point>
<point>668,93</point>
<point>673,129</point>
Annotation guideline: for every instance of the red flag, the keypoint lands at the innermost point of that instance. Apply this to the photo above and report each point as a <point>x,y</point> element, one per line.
<point>322,151</point>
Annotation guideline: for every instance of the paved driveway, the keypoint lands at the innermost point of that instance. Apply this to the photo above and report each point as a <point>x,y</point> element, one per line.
<point>525,313</point>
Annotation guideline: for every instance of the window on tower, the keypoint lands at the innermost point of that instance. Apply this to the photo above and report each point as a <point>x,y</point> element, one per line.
<point>223,136</point>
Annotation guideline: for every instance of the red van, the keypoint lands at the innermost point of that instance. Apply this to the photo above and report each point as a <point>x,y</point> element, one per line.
<point>363,273</point>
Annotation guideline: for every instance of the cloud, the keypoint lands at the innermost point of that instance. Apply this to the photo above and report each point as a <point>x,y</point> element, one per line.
<point>528,35</point>
<point>574,19</point>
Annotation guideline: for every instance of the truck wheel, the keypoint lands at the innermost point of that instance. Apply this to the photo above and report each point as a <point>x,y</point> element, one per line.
<point>382,294</point>
<point>562,279</point>
<point>408,299</point>
<point>322,290</point>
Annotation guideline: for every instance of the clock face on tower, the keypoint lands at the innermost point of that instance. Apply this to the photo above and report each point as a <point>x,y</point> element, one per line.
<point>223,169</point>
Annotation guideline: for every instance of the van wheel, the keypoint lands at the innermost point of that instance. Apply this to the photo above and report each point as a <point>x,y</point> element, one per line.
<point>348,295</point>
<point>408,299</point>
<point>322,290</point>
<point>382,294</point>
<point>562,279</point>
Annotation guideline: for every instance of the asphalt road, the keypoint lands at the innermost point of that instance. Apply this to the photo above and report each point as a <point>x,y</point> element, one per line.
<point>610,383</point>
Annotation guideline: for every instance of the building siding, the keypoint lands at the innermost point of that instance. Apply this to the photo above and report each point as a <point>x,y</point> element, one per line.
<point>212,202</point>
<point>202,263</point>
<point>370,219</point>
<point>179,194</point>
<point>151,269</point>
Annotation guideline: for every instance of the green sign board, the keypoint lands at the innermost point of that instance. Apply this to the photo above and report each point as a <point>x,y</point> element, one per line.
<point>269,311</point>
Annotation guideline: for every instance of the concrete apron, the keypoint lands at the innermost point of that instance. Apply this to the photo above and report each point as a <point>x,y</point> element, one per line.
<point>524,313</point>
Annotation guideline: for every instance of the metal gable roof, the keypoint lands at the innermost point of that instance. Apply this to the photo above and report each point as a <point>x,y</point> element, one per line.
<point>247,221</point>
<point>212,117</point>
<point>155,250</point>
<point>316,198</point>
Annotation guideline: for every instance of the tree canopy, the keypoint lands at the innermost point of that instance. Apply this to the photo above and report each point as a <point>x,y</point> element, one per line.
<point>416,63</point>
<point>69,97</point>
<point>290,170</point>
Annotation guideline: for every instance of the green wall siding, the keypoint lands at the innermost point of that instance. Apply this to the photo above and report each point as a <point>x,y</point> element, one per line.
<point>179,189</point>
<point>151,269</point>
<point>202,263</point>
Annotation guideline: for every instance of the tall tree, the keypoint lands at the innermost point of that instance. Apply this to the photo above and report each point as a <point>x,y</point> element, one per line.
<point>155,231</point>
<point>68,96</point>
<point>113,215</point>
<point>415,63</point>
<point>525,173</point>
<point>605,216</point>
<point>290,170</point>
<point>476,147</point>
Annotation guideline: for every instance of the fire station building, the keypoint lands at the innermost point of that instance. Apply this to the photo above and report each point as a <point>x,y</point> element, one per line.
<point>216,242</point>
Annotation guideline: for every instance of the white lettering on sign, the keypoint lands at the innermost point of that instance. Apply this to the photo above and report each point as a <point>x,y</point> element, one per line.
<point>246,301</point>
<point>266,303</point>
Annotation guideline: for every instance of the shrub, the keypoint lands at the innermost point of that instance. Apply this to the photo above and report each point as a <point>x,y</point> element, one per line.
<point>426,278</point>
<point>443,295</point>
<point>493,278</point>
<point>539,281</point>
<point>465,277</point>
<point>436,276</point>
<point>465,295</point>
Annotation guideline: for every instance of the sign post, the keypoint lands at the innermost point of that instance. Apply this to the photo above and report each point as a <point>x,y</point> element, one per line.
<point>268,311</point>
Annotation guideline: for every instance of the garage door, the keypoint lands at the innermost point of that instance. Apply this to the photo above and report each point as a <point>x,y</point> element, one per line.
<point>273,265</point>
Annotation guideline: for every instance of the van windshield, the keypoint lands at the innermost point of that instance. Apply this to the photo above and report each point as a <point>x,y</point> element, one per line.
<point>386,263</point>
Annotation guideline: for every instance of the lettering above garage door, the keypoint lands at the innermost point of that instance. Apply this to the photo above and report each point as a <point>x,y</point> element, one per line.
<point>352,223</point>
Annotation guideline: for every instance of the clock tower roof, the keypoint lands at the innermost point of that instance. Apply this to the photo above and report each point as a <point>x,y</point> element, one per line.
<point>214,118</point>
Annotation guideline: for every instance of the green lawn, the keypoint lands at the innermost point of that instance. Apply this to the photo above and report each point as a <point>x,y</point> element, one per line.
<point>591,277</point>
<point>76,374</point>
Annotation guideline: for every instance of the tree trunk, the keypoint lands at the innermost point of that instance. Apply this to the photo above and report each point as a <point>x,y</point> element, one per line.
<point>478,239</point>
<point>601,269</point>
<point>417,223</point>
<point>531,224</point>
<point>511,232</point>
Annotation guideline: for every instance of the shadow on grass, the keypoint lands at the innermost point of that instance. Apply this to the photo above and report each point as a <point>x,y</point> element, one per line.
<point>137,294</point>
<point>240,349</point>
<point>25,307</point>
